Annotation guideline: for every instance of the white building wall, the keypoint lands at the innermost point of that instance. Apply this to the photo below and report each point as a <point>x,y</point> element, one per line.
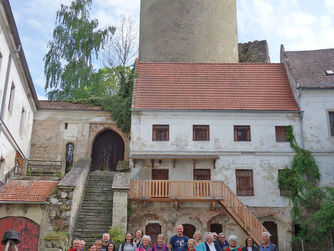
<point>316,103</point>
<point>262,154</point>
<point>11,138</point>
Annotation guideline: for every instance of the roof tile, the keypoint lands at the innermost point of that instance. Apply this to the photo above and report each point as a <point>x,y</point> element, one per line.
<point>206,86</point>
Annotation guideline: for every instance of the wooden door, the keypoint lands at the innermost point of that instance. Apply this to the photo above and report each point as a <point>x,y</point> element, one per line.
<point>153,229</point>
<point>160,189</point>
<point>202,189</point>
<point>272,229</point>
<point>27,229</point>
<point>108,149</point>
<point>189,230</point>
<point>217,228</point>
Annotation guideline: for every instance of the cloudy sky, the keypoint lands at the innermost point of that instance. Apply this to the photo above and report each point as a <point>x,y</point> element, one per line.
<point>298,24</point>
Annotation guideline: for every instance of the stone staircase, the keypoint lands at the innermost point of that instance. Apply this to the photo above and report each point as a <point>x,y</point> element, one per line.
<point>95,216</point>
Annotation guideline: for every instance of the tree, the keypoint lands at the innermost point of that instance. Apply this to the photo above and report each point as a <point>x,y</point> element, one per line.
<point>68,64</point>
<point>123,46</point>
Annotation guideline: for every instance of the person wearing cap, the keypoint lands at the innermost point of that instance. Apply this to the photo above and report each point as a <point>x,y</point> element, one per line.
<point>232,241</point>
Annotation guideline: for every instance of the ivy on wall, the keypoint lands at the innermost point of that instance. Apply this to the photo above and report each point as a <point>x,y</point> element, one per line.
<point>312,204</point>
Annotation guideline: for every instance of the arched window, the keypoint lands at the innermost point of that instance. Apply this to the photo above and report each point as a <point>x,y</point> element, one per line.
<point>69,157</point>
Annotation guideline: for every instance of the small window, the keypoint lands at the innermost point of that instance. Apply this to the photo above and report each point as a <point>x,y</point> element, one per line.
<point>2,163</point>
<point>201,133</point>
<point>160,133</point>
<point>244,179</point>
<point>281,133</point>
<point>11,98</point>
<point>331,122</point>
<point>281,191</point>
<point>329,72</point>
<point>66,126</point>
<point>0,60</point>
<point>22,120</point>
<point>69,157</point>
<point>242,133</point>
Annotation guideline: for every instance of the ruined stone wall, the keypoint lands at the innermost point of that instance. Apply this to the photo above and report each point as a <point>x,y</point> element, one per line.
<point>54,129</point>
<point>254,52</point>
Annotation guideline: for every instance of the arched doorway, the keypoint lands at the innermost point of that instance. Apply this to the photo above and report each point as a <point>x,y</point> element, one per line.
<point>216,227</point>
<point>153,229</point>
<point>27,229</point>
<point>189,230</point>
<point>272,229</point>
<point>108,149</point>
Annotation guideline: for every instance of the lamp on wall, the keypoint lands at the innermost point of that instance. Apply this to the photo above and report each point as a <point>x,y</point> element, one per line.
<point>10,237</point>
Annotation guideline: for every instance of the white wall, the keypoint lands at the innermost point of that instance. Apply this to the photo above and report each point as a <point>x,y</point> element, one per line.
<point>262,154</point>
<point>12,139</point>
<point>316,103</point>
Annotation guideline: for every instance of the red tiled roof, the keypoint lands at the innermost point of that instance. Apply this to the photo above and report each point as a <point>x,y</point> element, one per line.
<point>64,105</point>
<point>211,86</point>
<point>27,190</point>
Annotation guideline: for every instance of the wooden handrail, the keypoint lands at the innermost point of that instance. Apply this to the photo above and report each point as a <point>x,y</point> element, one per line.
<point>199,190</point>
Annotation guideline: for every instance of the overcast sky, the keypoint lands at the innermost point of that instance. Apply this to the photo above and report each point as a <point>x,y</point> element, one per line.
<point>298,24</point>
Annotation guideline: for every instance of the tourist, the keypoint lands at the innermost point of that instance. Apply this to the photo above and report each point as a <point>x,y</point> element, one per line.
<point>266,244</point>
<point>75,246</point>
<point>91,247</point>
<point>145,244</point>
<point>128,244</point>
<point>179,241</point>
<point>222,241</point>
<point>199,245</point>
<point>232,244</point>
<point>160,245</point>
<point>191,245</point>
<point>209,244</point>
<point>111,246</point>
<point>138,236</point>
<point>82,245</point>
<point>250,245</point>
<point>215,237</point>
<point>98,244</point>
<point>105,241</point>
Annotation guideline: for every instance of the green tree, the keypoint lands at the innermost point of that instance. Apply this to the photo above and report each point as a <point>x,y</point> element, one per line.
<point>68,65</point>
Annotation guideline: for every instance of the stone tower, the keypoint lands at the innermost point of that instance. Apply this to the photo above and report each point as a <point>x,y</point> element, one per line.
<point>188,31</point>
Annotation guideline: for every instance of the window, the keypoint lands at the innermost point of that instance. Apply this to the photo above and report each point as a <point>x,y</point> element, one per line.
<point>242,133</point>
<point>331,122</point>
<point>202,174</point>
<point>69,157</point>
<point>2,163</point>
<point>281,133</point>
<point>201,133</point>
<point>160,133</point>
<point>159,174</point>
<point>0,60</point>
<point>22,120</point>
<point>11,98</point>
<point>66,126</point>
<point>244,179</point>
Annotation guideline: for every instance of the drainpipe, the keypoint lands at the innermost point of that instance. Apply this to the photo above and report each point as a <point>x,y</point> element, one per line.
<point>4,96</point>
<point>301,115</point>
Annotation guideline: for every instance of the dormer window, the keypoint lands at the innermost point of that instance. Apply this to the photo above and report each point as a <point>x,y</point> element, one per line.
<point>329,72</point>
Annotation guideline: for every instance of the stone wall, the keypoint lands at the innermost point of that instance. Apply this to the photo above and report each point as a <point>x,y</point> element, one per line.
<point>51,135</point>
<point>254,52</point>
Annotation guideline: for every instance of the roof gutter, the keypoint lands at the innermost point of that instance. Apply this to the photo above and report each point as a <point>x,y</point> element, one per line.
<point>212,110</point>
<point>24,202</point>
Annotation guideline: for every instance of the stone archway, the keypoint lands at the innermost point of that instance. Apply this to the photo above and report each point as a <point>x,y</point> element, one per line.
<point>27,229</point>
<point>107,150</point>
<point>189,230</point>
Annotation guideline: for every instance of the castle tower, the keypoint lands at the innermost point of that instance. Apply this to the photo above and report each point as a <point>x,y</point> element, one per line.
<point>188,31</point>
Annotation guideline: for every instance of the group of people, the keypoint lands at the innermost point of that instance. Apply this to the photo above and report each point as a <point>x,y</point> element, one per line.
<point>178,242</point>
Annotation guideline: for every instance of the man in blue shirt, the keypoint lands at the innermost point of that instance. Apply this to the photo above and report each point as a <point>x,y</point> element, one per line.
<point>179,241</point>
<point>222,241</point>
<point>266,244</point>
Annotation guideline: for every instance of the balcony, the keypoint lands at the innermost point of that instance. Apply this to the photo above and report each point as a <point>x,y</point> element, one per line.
<point>198,190</point>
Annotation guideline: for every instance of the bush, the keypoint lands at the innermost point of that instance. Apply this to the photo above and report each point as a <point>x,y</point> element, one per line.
<point>116,235</point>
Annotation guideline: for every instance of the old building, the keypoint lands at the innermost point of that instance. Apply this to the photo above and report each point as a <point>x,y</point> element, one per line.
<point>311,75</point>
<point>18,99</point>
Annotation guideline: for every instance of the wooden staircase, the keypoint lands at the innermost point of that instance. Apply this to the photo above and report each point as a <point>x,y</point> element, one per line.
<point>199,190</point>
